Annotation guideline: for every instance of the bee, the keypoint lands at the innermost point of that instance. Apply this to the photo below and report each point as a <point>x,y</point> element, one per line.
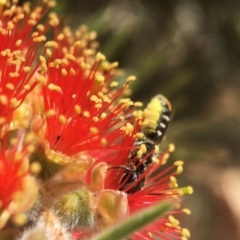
<point>157,116</point>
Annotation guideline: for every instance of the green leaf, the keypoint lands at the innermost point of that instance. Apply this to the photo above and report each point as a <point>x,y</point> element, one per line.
<point>133,223</point>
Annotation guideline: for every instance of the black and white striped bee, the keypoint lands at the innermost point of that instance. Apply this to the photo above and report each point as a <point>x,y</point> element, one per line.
<point>157,116</point>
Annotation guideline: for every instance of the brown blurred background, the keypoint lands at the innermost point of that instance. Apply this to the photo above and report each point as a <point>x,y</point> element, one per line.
<point>188,50</point>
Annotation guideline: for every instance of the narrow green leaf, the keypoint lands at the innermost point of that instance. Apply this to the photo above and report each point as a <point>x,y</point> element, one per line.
<point>133,223</point>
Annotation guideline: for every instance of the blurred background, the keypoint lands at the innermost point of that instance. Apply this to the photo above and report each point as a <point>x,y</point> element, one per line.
<point>188,50</point>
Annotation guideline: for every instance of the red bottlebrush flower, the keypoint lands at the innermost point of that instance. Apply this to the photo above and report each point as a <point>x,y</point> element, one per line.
<point>18,52</point>
<point>160,185</point>
<point>17,188</point>
<point>82,110</point>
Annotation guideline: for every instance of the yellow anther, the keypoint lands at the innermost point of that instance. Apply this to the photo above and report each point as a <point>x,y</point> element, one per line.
<point>114,84</point>
<point>57,62</point>
<point>138,104</point>
<point>103,142</point>
<point>114,65</point>
<point>51,44</point>
<point>179,170</point>
<point>100,57</point>
<point>106,99</point>
<point>187,211</point>
<point>95,119</point>
<point>77,109</point>
<point>131,78</point>
<point>18,42</point>
<point>64,72</point>
<point>54,87</point>
<point>72,72</point>
<point>20,219</point>
<point>10,86</point>
<point>186,233</point>
<point>39,39</point>
<point>40,27</point>
<point>171,147</point>
<point>95,99</point>
<point>14,102</point>
<point>50,113</point>
<point>27,86</point>
<point>100,79</point>
<point>178,163</point>
<point>49,52</point>
<point>86,114</point>
<point>2,120</point>
<point>27,69</point>
<point>62,119</point>
<point>139,135</point>
<point>3,99</point>
<point>42,59</point>
<point>14,74</point>
<point>60,37</point>
<point>41,79</point>
<point>98,105</point>
<point>103,115</point>
<point>94,130</point>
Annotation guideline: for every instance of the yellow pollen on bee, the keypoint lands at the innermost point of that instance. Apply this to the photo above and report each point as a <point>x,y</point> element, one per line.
<point>138,114</point>
<point>187,211</point>
<point>54,87</point>
<point>86,114</point>
<point>27,69</point>
<point>53,44</point>
<point>10,86</point>
<point>103,142</point>
<point>20,219</point>
<point>171,147</point>
<point>114,84</point>
<point>50,113</point>
<point>35,167</point>
<point>3,99</point>
<point>94,130</point>
<point>139,135</point>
